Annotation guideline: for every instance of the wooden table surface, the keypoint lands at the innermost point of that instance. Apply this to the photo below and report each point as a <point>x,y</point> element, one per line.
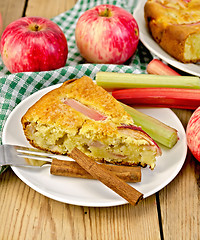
<point>173,213</point>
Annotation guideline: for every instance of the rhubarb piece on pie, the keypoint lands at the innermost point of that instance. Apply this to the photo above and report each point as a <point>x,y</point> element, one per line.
<point>82,114</point>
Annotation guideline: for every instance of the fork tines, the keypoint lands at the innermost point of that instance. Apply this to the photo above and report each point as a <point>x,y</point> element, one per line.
<point>11,154</point>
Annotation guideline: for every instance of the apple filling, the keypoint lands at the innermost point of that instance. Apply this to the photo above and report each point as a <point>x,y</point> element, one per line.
<point>192,47</point>
<point>124,147</point>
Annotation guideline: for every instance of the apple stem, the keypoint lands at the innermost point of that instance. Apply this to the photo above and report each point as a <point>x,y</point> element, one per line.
<point>106,13</point>
<point>36,27</point>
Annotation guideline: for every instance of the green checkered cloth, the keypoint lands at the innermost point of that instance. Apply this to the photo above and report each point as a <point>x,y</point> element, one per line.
<point>16,87</point>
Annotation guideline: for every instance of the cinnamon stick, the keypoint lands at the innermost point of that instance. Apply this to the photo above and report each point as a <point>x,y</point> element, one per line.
<point>107,177</point>
<point>73,169</point>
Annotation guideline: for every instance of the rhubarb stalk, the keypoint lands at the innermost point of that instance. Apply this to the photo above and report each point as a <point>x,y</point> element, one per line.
<point>160,97</point>
<point>158,131</point>
<point>159,68</point>
<point>112,81</point>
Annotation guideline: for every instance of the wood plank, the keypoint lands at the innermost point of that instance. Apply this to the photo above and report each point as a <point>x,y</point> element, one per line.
<point>45,9</point>
<point>26,214</point>
<point>124,222</point>
<point>180,208</point>
<point>11,10</point>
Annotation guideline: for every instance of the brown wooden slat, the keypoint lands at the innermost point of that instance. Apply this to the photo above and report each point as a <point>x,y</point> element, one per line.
<point>180,208</point>
<point>48,9</point>
<point>11,10</point>
<point>26,214</point>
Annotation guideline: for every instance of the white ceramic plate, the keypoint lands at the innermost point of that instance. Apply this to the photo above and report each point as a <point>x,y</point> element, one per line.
<point>148,41</point>
<point>85,192</point>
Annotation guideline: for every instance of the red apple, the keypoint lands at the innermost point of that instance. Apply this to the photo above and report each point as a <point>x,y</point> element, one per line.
<point>107,34</point>
<point>33,44</point>
<point>193,134</point>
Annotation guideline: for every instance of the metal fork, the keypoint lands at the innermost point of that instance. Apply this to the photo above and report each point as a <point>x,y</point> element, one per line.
<point>14,155</point>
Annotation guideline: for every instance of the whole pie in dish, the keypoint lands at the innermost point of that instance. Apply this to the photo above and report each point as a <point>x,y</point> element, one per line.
<point>175,26</point>
<point>83,115</point>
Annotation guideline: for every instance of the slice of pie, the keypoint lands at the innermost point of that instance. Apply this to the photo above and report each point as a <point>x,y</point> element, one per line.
<point>81,114</point>
<point>175,26</point>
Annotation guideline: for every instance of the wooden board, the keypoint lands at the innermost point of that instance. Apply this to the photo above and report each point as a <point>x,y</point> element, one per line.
<point>25,213</point>
<point>180,208</point>
<point>11,10</point>
<point>49,8</point>
<point>173,213</point>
